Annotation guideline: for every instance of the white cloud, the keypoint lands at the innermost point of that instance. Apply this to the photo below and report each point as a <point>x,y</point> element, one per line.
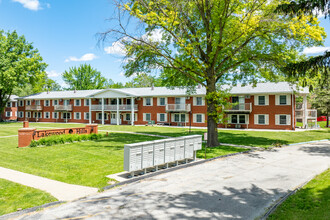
<point>86,57</point>
<point>315,50</point>
<point>117,48</point>
<point>52,73</point>
<point>30,4</point>
<point>154,35</point>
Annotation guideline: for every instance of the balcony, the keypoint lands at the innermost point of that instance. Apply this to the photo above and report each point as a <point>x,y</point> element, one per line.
<point>242,107</point>
<point>64,108</point>
<point>33,108</point>
<point>311,114</point>
<point>178,108</point>
<point>113,108</point>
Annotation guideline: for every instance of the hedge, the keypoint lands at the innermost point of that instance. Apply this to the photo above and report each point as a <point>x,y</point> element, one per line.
<point>62,139</point>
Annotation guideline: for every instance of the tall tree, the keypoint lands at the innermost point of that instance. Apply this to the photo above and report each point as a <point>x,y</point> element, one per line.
<point>210,41</point>
<point>144,80</point>
<point>310,67</point>
<point>20,65</point>
<point>84,77</point>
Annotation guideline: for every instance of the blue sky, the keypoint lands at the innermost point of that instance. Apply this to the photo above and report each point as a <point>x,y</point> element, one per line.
<point>64,31</point>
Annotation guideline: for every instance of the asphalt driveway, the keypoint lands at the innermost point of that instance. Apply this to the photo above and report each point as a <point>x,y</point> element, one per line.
<point>239,187</point>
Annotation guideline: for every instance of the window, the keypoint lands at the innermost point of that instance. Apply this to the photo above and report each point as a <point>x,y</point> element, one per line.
<point>162,101</point>
<point>234,99</point>
<point>28,102</point>
<point>99,116</point>
<point>67,102</point>
<point>13,104</point>
<point>239,119</point>
<point>147,101</point>
<point>283,120</point>
<point>8,114</point>
<point>148,116</point>
<point>37,102</point>
<point>261,119</point>
<point>86,115</point>
<point>28,114</point>
<point>128,117</point>
<point>77,115</point>
<point>37,115</point>
<point>261,100</point>
<point>66,115</point>
<point>47,115</point>
<point>20,114</point>
<point>21,103</point>
<point>199,101</point>
<point>162,117</point>
<point>234,119</point>
<point>55,102</point>
<point>100,101</point>
<point>128,101</point>
<point>86,102</point>
<point>8,104</point>
<point>283,100</point>
<point>179,117</point>
<point>199,118</point>
<point>47,102</point>
<point>77,102</point>
<point>55,115</point>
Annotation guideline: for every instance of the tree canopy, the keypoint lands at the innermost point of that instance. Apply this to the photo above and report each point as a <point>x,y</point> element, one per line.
<point>84,77</point>
<point>210,41</point>
<point>20,65</point>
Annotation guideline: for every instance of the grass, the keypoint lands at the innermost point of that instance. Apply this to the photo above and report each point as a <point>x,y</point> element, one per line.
<point>322,124</point>
<point>218,151</point>
<point>14,196</point>
<point>310,202</point>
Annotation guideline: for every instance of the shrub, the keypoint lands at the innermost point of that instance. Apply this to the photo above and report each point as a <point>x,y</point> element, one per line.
<point>62,139</point>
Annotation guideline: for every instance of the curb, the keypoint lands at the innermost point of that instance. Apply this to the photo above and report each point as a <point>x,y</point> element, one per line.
<point>172,169</point>
<point>29,210</point>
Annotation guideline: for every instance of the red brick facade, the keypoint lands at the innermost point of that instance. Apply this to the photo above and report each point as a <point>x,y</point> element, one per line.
<point>271,112</point>
<point>10,112</point>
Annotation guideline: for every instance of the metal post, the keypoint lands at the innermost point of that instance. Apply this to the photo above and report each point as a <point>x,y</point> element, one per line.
<point>102,111</point>
<point>305,111</point>
<point>117,111</point>
<point>90,111</point>
<point>132,111</point>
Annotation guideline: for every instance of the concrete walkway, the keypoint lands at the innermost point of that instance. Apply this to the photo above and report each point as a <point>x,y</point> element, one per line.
<point>239,187</point>
<point>131,132</point>
<point>61,191</point>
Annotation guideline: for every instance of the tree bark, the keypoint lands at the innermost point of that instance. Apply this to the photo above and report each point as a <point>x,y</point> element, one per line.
<point>212,125</point>
<point>327,119</point>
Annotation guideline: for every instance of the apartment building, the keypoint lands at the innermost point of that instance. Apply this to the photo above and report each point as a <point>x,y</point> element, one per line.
<point>266,106</point>
<point>10,111</point>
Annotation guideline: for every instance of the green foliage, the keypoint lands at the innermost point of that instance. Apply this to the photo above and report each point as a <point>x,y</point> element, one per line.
<point>62,139</point>
<point>84,77</point>
<point>20,65</point>
<point>144,80</point>
<point>212,41</point>
<point>306,7</point>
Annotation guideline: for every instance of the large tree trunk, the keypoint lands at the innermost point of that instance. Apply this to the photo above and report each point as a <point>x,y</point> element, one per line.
<point>212,125</point>
<point>327,119</point>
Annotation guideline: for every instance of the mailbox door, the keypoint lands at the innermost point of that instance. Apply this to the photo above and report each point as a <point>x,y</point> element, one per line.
<point>169,151</point>
<point>197,143</point>
<point>159,151</point>
<point>148,155</point>
<point>189,150</point>
<point>179,149</point>
<point>136,158</point>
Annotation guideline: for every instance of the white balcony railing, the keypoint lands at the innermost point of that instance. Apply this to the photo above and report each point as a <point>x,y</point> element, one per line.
<point>178,107</point>
<point>113,108</point>
<point>63,107</point>
<point>311,113</point>
<point>242,107</point>
<point>33,108</point>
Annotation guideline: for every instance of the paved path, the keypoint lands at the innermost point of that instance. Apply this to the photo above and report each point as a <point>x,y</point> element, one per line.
<point>61,191</point>
<point>239,187</point>
<point>130,132</point>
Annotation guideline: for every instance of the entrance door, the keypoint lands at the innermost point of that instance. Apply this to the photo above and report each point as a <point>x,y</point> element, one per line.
<point>113,120</point>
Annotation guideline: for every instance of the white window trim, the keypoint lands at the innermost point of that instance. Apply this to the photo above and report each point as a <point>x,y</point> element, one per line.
<point>53,102</point>
<point>37,102</point>
<point>277,119</point>
<point>48,102</point>
<point>277,99</point>
<point>85,113</point>
<point>85,100</point>
<point>158,101</point>
<point>158,117</point>
<point>66,113</point>
<point>256,100</point>
<point>195,118</point>
<point>28,101</point>
<point>195,100</point>
<point>8,114</point>
<point>75,115</point>
<point>20,103</point>
<point>53,115</point>
<point>246,119</point>
<point>97,116</point>
<point>28,114</point>
<point>256,119</point>
<point>145,101</point>
<point>75,102</point>
<point>173,117</point>
<point>45,115</point>
<point>135,117</point>
<point>145,116</point>
<point>10,105</point>
<point>20,114</point>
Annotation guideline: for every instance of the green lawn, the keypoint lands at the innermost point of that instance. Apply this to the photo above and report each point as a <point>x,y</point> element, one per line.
<point>218,151</point>
<point>310,202</point>
<point>322,124</point>
<point>14,196</point>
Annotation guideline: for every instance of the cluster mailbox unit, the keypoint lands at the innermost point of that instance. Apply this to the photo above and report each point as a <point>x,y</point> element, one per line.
<point>139,156</point>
